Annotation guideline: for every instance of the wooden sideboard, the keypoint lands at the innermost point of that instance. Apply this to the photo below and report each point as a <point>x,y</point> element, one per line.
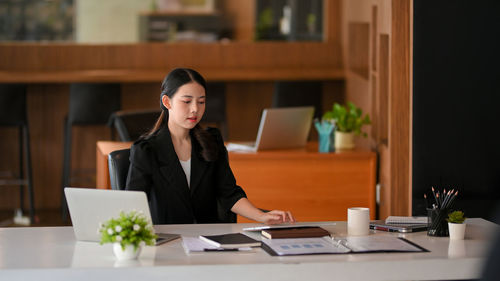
<point>314,186</point>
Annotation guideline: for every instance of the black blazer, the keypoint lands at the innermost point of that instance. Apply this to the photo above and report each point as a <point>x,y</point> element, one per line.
<point>156,170</point>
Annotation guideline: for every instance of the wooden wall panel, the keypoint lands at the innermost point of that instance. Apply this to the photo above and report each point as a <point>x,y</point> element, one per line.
<point>359,42</point>
<point>383,102</point>
<point>374,107</point>
<point>373,35</point>
<point>241,17</point>
<point>384,91</point>
<point>400,109</point>
<point>9,166</point>
<point>47,107</point>
<point>245,104</point>
<point>156,56</point>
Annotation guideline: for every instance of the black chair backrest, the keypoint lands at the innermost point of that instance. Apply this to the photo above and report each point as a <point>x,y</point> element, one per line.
<point>299,93</point>
<point>13,105</point>
<point>130,125</point>
<point>215,110</point>
<point>93,103</point>
<point>119,163</point>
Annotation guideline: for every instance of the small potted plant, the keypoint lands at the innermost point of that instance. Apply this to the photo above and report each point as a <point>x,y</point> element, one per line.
<point>348,122</point>
<point>456,225</point>
<point>128,233</point>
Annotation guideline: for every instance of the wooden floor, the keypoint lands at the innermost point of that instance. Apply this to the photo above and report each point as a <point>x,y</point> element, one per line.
<point>48,217</point>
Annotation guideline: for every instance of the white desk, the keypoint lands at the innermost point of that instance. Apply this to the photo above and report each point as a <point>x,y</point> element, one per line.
<point>53,254</point>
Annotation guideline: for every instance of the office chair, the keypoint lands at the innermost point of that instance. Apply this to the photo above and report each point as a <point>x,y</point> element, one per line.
<point>13,114</point>
<point>131,124</point>
<point>299,93</point>
<point>119,163</point>
<point>215,109</point>
<point>89,104</point>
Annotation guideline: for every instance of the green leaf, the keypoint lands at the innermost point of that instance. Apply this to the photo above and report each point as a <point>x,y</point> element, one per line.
<point>348,118</point>
<point>456,217</point>
<point>128,235</point>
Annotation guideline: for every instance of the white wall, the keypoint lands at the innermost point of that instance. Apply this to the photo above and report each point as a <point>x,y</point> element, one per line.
<point>108,21</point>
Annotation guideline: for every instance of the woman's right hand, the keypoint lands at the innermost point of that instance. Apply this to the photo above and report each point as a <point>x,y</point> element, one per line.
<point>276,217</point>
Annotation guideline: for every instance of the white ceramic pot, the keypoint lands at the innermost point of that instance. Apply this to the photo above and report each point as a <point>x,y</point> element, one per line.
<point>457,231</point>
<point>128,254</point>
<point>344,140</point>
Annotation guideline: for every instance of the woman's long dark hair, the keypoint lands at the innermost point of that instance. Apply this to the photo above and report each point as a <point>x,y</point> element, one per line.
<point>172,82</point>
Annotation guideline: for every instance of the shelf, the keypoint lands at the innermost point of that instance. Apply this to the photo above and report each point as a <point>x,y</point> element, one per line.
<point>184,13</point>
<point>155,75</point>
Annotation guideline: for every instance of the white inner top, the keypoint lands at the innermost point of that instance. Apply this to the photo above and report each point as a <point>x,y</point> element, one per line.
<point>186,166</point>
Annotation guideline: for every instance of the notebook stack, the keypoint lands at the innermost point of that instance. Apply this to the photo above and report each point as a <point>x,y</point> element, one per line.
<point>295,232</point>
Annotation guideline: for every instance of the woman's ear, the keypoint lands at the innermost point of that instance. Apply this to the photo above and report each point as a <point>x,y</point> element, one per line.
<point>166,101</point>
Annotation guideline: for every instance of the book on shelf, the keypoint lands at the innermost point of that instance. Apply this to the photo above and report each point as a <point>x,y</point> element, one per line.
<point>230,240</point>
<point>295,232</point>
<point>405,220</point>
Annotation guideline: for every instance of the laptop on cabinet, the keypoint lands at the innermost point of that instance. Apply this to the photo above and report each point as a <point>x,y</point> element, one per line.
<point>280,128</point>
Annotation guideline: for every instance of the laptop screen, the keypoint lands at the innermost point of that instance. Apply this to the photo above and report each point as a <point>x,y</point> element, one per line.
<point>282,128</point>
<point>89,207</point>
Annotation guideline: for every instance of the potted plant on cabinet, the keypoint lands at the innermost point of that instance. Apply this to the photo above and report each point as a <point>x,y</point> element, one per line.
<point>456,225</point>
<point>348,122</point>
<point>128,233</point>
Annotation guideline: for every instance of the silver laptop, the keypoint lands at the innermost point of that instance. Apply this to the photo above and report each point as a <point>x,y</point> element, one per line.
<point>400,227</point>
<point>90,207</point>
<point>280,128</point>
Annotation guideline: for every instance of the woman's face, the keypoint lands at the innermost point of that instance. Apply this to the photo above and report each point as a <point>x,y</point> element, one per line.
<point>187,105</point>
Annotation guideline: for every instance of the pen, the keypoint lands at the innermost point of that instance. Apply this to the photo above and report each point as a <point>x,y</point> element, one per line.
<point>221,250</point>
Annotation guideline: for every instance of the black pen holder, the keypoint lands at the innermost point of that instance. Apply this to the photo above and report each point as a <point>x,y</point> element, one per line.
<point>436,222</point>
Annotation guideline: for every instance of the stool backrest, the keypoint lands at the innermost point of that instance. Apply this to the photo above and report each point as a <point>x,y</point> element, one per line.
<point>13,105</point>
<point>93,103</point>
<point>215,110</point>
<point>130,125</point>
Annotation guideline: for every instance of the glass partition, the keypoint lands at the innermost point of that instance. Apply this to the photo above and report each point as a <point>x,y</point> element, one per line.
<point>36,20</point>
<point>133,21</point>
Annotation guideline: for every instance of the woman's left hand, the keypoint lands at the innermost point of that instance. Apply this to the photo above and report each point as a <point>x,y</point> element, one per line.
<point>276,217</point>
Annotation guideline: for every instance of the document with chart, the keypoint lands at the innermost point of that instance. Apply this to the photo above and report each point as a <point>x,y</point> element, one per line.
<point>338,245</point>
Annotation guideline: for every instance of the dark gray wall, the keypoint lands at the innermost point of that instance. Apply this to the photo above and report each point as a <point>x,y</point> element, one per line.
<point>456,103</point>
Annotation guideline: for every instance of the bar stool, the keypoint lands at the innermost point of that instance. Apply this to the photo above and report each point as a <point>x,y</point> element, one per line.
<point>89,104</point>
<point>299,93</point>
<point>13,114</point>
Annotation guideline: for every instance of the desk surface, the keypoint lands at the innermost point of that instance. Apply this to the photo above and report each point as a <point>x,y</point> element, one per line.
<point>51,253</point>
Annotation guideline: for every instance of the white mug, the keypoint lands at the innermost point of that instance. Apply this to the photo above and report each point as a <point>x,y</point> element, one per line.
<point>358,221</point>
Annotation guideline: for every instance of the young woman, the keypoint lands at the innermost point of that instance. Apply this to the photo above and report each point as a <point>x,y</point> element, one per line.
<point>183,168</point>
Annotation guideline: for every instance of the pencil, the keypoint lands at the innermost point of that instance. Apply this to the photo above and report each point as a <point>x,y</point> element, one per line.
<point>446,199</point>
<point>434,193</point>
<point>453,198</point>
